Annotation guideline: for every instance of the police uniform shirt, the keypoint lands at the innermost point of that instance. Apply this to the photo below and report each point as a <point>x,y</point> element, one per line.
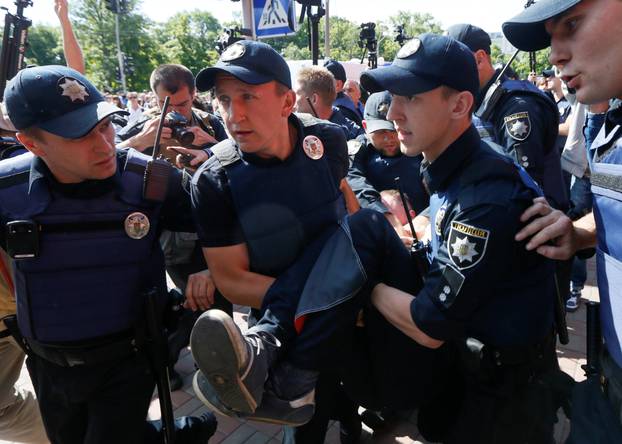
<point>348,110</point>
<point>527,128</point>
<point>481,283</point>
<point>371,172</point>
<point>350,129</point>
<point>214,210</point>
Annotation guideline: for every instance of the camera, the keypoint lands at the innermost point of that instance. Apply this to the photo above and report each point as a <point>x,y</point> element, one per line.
<point>178,125</point>
<point>367,33</point>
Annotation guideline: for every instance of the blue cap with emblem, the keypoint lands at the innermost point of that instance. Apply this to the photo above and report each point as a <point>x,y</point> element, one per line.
<point>472,36</point>
<point>423,64</point>
<point>376,109</point>
<point>336,69</point>
<point>526,30</point>
<point>56,99</point>
<point>249,61</point>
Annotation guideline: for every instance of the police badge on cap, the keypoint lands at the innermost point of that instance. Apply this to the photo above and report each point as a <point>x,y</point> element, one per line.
<point>411,47</point>
<point>233,52</point>
<point>73,89</point>
<point>137,225</point>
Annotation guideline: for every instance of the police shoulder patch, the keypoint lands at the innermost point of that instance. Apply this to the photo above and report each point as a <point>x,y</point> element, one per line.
<point>466,244</point>
<point>518,126</point>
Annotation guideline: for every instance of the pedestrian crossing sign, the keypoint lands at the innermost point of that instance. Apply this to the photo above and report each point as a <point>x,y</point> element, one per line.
<point>273,18</point>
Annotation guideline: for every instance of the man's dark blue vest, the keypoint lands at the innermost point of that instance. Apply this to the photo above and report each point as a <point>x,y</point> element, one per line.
<point>282,207</point>
<point>87,279</point>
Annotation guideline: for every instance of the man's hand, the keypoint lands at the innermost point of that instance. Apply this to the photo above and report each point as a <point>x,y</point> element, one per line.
<point>200,291</point>
<point>552,233</point>
<point>201,138</point>
<point>146,137</point>
<point>62,9</point>
<point>199,156</point>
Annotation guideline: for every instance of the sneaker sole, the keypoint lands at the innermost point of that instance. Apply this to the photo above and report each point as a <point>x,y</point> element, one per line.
<point>223,410</point>
<point>215,344</point>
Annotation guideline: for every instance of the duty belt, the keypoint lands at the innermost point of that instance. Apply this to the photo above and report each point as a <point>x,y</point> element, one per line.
<point>85,354</point>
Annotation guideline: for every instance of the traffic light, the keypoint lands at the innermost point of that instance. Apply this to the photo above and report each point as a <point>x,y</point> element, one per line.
<point>112,6</point>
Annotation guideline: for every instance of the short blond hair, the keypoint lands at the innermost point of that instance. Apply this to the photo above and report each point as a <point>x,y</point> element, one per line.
<point>318,80</point>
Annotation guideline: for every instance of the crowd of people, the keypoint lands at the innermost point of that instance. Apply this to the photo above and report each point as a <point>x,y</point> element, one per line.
<point>407,239</point>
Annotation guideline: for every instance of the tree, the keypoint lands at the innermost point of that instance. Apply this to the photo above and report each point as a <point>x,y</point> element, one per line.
<point>95,30</point>
<point>44,46</point>
<point>414,24</point>
<point>521,63</point>
<point>189,38</point>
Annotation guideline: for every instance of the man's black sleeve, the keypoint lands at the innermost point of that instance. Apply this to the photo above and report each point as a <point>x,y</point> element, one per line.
<point>365,192</point>
<point>219,130</point>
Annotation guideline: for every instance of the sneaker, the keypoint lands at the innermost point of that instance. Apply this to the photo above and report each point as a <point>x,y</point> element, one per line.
<point>235,365</point>
<point>572,304</point>
<point>272,410</point>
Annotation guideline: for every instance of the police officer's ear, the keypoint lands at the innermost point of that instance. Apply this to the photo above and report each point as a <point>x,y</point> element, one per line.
<point>482,58</point>
<point>461,104</point>
<point>29,139</point>
<point>289,103</point>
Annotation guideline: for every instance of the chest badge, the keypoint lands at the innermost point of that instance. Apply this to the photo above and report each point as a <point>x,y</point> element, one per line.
<point>467,245</point>
<point>137,225</point>
<point>313,147</point>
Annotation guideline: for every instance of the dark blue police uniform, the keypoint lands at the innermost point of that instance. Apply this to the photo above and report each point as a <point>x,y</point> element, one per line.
<point>351,129</point>
<point>80,276</point>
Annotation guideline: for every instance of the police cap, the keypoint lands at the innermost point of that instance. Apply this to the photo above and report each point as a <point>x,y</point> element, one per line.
<point>425,63</point>
<point>56,99</point>
<point>250,62</point>
<point>472,36</point>
<point>336,69</point>
<point>526,30</point>
<point>376,109</point>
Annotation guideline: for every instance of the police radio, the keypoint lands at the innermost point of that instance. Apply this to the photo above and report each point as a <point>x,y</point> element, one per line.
<point>158,171</point>
<point>418,250</point>
<point>494,93</point>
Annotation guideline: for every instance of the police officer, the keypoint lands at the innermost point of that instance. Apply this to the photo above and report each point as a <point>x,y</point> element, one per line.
<point>343,102</point>
<point>585,45</point>
<point>484,292</point>
<point>377,163</point>
<point>84,241</point>
<point>522,119</point>
<point>261,200</point>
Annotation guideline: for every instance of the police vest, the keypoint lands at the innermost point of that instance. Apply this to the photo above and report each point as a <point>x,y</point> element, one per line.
<point>88,276</point>
<point>381,171</point>
<point>606,151</point>
<point>281,207</point>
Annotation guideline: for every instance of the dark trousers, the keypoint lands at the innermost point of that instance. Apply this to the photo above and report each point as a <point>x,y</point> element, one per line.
<point>103,404</point>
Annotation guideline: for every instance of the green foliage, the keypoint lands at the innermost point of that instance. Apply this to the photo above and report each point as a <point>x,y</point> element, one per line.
<point>45,46</point>
<point>521,63</point>
<point>95,29</point>
<point>189,38</point>
<point>414,24</point>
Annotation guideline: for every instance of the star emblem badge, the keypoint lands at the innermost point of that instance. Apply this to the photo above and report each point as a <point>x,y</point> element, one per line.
<point>464,250</point>
<point>519,128</point>
<point>73,89</point>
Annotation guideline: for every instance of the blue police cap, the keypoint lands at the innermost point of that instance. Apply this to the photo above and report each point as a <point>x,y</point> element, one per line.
<point>376,109</point>
<point>423,64</point>
<point>56,99</point>
<point>336,69</point>
<point>472,36</point>
<point>526,30</point>
<point>249,61</point>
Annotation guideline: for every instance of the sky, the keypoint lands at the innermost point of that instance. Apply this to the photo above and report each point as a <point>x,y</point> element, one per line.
<point>487,14</point>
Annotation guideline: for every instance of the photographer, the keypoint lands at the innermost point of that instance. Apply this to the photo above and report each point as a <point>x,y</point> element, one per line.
<point>177,82</point>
